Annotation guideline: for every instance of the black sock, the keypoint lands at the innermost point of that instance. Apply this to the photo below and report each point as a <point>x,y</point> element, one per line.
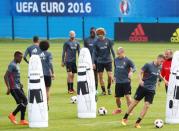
<point>72,86</point>
<point>103,88</point>
<point>109,86</point>
<point>68,86</point>
<point>17,109</point>
<point>96,86</point>
<point>23,113</point>
<point>138,120</point>
<point>126,116</point>
<point>119,105</point>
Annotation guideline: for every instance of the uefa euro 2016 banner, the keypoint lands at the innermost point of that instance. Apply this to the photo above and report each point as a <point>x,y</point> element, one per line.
<point>104,8</point>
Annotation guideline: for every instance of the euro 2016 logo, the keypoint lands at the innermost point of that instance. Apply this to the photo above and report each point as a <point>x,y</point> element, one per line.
<point>124,7</point>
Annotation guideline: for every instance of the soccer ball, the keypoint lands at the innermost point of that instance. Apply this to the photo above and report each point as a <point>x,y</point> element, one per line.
<point>73,99</point>
<point>158,123</point>
<point>102,111</point>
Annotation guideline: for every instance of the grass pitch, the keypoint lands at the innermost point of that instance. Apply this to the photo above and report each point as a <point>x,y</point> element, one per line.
<point>62,114</point>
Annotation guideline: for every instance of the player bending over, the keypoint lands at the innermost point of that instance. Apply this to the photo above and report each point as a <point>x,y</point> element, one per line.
<point>123,70</point>
<point>33,49</point>
<point>46,59</point>
<point>14,86</point>
<point>148,76</point>
<point>70,48</point>
<point>103,48</point>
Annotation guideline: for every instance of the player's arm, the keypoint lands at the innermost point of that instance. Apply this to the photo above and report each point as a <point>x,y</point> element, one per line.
<point>111,43</point>
<point>9,80</point>
<point>63,54</point>
<point>78,48</point>
<point>25,55</point>
<point>85,43</point>
<point>51,66</point>
<point>132,69</point>
<point>141,74</point>
<point>94,56</point>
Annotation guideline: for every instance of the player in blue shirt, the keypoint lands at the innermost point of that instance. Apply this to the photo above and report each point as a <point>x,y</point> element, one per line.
<point>89,43</point>
<point>148,77</point>
<point>123,70</point>
<point>70,48</point>
<point>47,66</point>
<point>14,86</point>
<point>103,49</point>
<point>33,49</point>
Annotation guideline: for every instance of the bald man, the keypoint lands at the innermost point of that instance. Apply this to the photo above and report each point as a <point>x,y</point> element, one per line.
<point>123,70</point>
<point>165,72</point>
<point>70,48</point>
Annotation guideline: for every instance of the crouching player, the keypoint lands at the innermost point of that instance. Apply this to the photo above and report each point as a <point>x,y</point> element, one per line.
<point>147,85</point>
<point>14,86</point>
<point>123,70</point>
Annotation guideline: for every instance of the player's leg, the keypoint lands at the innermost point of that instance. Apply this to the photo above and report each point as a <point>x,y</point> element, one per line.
<point>96,76</point>
<point>108,67</point>
<point>119,92</point>
<point>69,66</point>
<point>48,82</point>
<point>23,109</point>
<point>137,97</point>
<point>127,93</point>
<point>100,69</point>
<point>149,96</point>
<point>74,71</point>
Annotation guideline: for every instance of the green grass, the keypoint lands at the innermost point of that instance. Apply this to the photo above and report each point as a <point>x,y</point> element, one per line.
<point>62,114</point>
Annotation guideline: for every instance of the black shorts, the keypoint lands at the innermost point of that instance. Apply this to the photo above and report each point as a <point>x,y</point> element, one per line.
<point>144,93</point>
<point>71,67</point>
<point>102,66</point>
<point>83,87</point>
<point>35,94</point>
<point>48,81</point>
<point>122,89</point>
<point>19,96</point>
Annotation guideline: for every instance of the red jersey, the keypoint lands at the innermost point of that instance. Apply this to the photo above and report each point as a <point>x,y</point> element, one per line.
<point>165,72</point>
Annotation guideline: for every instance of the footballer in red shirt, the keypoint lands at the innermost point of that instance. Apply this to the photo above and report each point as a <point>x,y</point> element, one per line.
<point>165,72</point>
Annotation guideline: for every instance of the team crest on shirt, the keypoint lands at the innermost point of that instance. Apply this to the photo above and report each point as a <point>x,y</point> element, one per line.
<point>42,56</point>
<point>34,51</point>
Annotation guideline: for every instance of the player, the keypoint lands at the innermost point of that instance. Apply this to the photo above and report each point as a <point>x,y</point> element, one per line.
<point>148,76</point>
<point>70,48</point>
<point>103,48</point>
<point>33,49</point>
<point>123,71</point>
<point>89,43</point>
<point>46,59</point>
<point>165,72</point>
<point>14,86</point>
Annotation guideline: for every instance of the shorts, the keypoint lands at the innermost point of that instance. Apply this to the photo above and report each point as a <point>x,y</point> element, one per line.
<point>102,66</point>
<point>144,93</point>
<point>71,67</point>
<point>48,81</point>
<point>122,89</point>
<point>83,87</point>
<point>19,96</point>
<point>35,94</point>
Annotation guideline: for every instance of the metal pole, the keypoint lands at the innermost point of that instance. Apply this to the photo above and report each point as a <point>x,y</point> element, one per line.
<point>83,27</point>
<point>47,27</point>
<point>12,26</point>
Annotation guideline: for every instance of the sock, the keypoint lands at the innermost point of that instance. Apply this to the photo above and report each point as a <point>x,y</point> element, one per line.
<point>126,116</point>
<point>109,86</point>
<point>68,86</point>
<point>72,86</point>
<point>96,86</point>
<point>138,120</point>
<point>103,88</point>
<point>119,105</point>
<point>23,113</point>
<point>17,109</point>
